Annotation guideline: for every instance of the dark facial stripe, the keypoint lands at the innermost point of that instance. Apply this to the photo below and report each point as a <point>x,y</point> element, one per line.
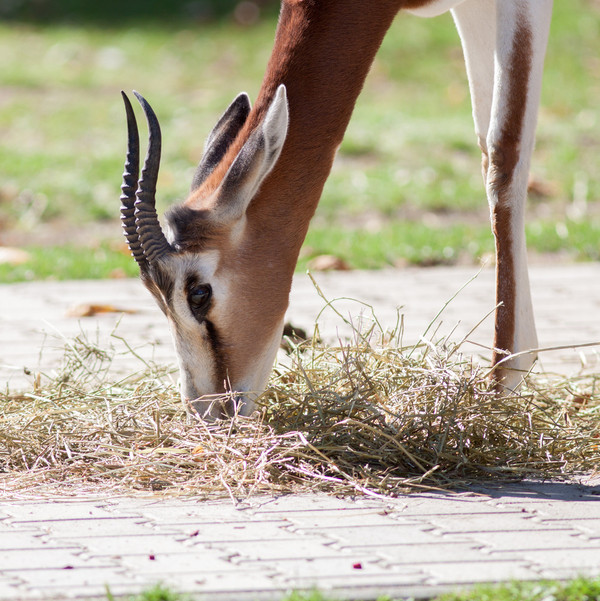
<point>218,354</point>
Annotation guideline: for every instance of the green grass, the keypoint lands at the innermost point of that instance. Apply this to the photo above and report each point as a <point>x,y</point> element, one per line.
<point>408,166</point>
<point>579,589</point>
<point>155,593</point>
<point>389,245</point>
<point>71,262</point>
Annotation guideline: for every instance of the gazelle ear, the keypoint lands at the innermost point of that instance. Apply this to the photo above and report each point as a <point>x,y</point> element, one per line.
<point>254,161</point>
<point>221,137</point>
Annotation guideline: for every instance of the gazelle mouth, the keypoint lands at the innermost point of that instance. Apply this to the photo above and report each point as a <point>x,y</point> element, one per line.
<point>214,407</point>
<point>209,408</point>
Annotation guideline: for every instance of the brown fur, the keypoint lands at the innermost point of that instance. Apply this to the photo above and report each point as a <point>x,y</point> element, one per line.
<point>503,158</point>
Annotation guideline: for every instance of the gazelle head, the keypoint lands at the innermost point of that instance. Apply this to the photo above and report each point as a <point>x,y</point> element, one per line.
<point>204,269</point>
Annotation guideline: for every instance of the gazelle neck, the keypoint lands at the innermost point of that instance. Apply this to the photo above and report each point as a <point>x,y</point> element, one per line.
<point>322,53</point>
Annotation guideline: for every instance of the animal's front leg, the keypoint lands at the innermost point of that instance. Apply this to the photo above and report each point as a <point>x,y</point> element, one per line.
<point>521,38</point>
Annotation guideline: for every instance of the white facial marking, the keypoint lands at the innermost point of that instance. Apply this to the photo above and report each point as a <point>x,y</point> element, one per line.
<point>169,232</point>
<point>191,338</point>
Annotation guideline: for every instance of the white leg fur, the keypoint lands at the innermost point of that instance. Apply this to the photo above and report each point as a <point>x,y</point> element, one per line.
<point>492,34</point>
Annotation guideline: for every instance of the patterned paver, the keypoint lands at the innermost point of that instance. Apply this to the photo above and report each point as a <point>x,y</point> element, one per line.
<point>72,547</point>
<point>264,547</point>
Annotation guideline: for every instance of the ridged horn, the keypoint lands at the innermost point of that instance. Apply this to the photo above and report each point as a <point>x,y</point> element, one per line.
<point>150,234</point>
<point>129,185</point>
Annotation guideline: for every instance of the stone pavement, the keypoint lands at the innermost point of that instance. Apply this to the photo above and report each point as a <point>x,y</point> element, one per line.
<point>69,546</point>
<point>417,545</point>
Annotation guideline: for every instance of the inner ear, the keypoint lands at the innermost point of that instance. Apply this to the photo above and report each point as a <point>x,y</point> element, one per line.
<point>254,162</point>
<point>221,137</point>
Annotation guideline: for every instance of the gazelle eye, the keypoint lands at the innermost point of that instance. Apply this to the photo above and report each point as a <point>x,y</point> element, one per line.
<point>199,298</point>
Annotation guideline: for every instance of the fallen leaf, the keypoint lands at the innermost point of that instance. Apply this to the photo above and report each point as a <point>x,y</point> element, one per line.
<point>538,188</point>
<point>328,263</point>
<point>577,402</point>
<point>13,256</point>
<point>117,274</point>
<point>89,310</point>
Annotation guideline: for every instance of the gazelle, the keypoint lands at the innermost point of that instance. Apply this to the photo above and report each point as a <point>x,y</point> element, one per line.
<point>222,269</point>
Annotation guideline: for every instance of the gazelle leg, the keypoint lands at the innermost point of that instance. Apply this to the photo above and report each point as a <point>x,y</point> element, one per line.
<point>518,35</point>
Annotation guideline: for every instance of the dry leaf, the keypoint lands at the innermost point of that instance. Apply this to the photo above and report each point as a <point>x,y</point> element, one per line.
<point>328,263</point>
<point>538,188</point>
<point>89,310</point>
<point>117,274</point>
<point>13,256</point>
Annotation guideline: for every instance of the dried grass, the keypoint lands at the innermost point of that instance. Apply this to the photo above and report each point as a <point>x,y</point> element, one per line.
<point>364,417</point>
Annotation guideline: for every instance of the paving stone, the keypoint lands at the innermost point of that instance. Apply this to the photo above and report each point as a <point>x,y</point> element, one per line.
<point>48,511</point>
<point>305,546</point>
<point>16,539</point>
<point>346,518</point>
<point>357,579</point>
<point>512,541</point>
<point>205,583</point>
<point>471,572</point>
<point>560,573</point>
<point>333,573</point>
<point>395,534</point>
<point>146,544</point>
<point>589,526</point>
<point>167,561</point>
<point>56,557</point>
<point>90,580</point>
<point>83,528</point>
<point>198,511</point>
<point>198,532</point>
<point>423,505</point>
<point>9,587</point>
<point>56,591</point>
<point>576,559</point>
<point>491,522</point>
<point>439,552</point>
<point>318,503</point>
<point>570,509</point>
<point>300,566</point>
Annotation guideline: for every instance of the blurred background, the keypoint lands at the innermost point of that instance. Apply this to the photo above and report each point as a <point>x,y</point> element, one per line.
<point>406,186</point>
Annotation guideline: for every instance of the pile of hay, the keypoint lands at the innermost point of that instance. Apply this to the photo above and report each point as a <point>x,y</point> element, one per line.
<point>365,417</point>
